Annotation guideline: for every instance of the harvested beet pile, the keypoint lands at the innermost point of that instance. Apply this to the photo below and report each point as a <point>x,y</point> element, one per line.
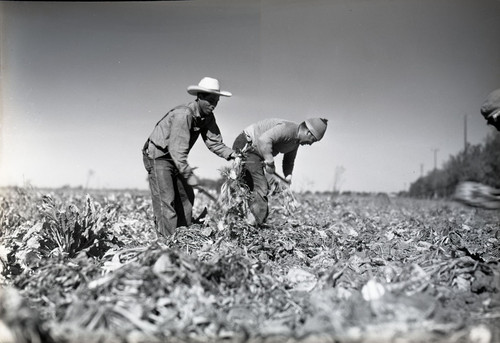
<point>336,269</point>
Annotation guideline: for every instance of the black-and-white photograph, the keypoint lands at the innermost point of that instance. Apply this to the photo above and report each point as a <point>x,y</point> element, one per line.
<point>258,171</point>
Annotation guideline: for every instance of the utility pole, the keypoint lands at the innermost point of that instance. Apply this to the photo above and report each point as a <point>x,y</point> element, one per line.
<point>421,169</point>
<point>465,133</point>
<point>90,173</point>
<point>337,178</point>
<point>435,157</point>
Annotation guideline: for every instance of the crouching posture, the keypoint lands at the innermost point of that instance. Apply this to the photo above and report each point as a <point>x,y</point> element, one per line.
<point>490,109</point>
<point>165,153</point>
<point>268,138</point>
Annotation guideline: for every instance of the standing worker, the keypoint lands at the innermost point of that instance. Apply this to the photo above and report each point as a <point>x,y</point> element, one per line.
<point>268,138</point>
<point>165,153</point>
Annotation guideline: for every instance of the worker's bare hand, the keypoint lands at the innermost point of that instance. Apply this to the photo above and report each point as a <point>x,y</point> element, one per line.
<point>193,181</point>
<point>269,168</point>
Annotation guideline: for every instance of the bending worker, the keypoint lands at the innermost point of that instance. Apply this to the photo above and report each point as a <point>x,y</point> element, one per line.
<point>490,109</point>
<point>165,153</point>
<point>267,139</point>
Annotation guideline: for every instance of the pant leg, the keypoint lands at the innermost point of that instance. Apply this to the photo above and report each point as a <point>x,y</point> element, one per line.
<point>163,192</point>
<point>257,182</point>
<point>184,201</point>
<point>148,165</point>
<point>255,179</point>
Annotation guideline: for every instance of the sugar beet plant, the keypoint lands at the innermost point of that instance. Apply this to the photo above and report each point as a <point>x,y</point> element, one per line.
<point>235,196</point>
<point>60,249</point>
<point>57,232</point>
<point>69,232</point>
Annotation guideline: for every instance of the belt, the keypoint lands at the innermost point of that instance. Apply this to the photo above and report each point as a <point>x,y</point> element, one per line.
<point>145,151</point>
<point>145,147</point>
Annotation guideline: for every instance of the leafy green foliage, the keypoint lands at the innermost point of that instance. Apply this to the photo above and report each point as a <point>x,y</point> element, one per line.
<point>54,233</point>
<point>17,205</point>
<point>68,232</point>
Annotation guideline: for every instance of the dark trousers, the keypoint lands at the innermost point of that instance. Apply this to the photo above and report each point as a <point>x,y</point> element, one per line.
<point>172,197</point>
<point>255,179</point>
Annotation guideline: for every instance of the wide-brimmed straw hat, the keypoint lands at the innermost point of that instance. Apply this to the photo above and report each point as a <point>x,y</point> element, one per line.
<point>207,85</point>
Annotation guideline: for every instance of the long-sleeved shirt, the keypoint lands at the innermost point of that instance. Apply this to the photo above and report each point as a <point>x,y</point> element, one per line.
<point>273,136</point>
<point>178,130</point>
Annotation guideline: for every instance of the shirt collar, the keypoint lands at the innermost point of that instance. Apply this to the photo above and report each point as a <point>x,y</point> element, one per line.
<point>194,106</point>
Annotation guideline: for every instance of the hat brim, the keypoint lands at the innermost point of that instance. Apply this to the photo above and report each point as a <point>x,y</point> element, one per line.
<point>194,90</point>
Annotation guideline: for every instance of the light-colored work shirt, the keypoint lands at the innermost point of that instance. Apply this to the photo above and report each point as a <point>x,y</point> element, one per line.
<point>272,136</point>
<point>176,133</point>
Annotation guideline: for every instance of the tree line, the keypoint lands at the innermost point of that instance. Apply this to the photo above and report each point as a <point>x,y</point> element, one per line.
<point>480,163</point>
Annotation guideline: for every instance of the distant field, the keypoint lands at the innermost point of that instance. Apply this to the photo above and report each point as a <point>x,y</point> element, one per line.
<point>338,269</point>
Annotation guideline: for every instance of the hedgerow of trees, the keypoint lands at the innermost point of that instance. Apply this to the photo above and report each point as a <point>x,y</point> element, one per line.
<point>480,163</point>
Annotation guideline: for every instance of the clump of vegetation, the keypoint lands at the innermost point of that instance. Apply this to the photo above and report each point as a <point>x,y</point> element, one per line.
<point>235,196</point>
<point>70,232</point>
<point>57,232</point>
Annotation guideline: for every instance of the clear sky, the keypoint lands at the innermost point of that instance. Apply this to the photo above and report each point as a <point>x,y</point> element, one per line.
<point>83,83</point>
